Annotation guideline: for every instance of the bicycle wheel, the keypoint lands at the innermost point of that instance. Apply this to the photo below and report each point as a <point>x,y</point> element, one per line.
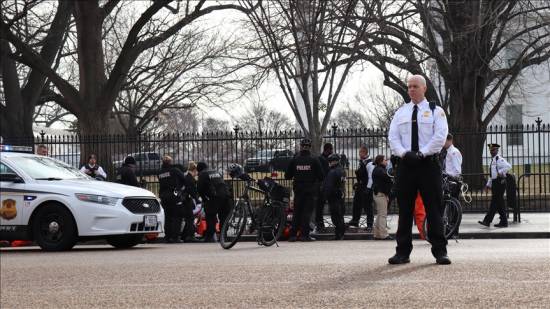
<point>271,225</point>
<point>234,225</point>
<point>452,216</point>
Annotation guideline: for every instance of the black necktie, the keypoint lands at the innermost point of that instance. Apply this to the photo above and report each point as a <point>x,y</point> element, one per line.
<point>414,143</point>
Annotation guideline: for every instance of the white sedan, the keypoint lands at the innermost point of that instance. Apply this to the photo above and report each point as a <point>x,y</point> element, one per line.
<point>56,205</point>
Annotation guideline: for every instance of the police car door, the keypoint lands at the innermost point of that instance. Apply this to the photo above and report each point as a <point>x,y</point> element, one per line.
<point>12,195</point>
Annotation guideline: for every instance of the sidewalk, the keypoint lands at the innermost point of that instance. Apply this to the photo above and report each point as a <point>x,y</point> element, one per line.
<point>532,225</point>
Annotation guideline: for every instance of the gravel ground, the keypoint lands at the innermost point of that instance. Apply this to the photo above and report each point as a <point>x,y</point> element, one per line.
<point>346,274</point>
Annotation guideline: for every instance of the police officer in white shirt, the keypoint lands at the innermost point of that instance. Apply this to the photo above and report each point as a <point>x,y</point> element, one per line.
<point>451,158</point>
<point>498,168</point>
<point>417,133</point>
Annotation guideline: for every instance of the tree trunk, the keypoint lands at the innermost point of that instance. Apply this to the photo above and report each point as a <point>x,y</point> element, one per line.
<point>94,139</point>
<point>466,122</point>
<point>16,116</point>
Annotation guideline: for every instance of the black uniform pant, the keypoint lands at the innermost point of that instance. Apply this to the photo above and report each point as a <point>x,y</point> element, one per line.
<point>362,199</point>
<point>215,208</point>
<point>424,176</point>
<point>189,228</point>
<point>304,202</point>
<point>319,210</point>
<point>336,206</point>
<point>173,216</point>
<point>498,187</point>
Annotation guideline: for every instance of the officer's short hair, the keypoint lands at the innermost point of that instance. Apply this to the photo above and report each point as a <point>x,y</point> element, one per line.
<point>327,147</point>
<point>201,166</point>
<point>92,155</point>
<point>166,160</point>
<point>417,77</point>
<point>379,159</point>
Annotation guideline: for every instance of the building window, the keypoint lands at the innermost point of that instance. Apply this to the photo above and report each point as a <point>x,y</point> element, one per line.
<point>514,122</point>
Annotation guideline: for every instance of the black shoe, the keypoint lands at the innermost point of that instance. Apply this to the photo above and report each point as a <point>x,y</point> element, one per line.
<point>352,223</point>
<point>292,239</point>
<point>398,259</point>
<point>443,260</point>
<point>484,223</point>
<point>307,239</point>
<point>386,238</point>
<point>191,240</point>
<point>173,241</point>
<point>338,237</point>
<point>501,225</point>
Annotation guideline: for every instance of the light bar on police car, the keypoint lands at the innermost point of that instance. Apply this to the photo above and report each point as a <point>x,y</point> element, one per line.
<point>11,148</point>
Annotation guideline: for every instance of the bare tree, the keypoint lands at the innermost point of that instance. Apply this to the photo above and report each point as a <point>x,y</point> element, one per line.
<point>40,25</point>
<point>48,113</point>
<point>352,117</point>
<point>261,118</point>
<point>474,50</point>
<point>193,67</point>
<point>298,38</point>
<point>97,91</point>
<point>94,96</point>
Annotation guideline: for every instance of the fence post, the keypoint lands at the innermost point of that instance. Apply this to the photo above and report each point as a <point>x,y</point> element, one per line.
<point>334,128</point>
<point>139,131</point>
<point>539,121</point>
<point>236,129</point>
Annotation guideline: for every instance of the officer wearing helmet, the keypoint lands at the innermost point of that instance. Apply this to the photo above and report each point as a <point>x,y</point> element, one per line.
<point>216,198</point>
<point>334,188</point>
<point>127,172</point>
<point>306,173</point>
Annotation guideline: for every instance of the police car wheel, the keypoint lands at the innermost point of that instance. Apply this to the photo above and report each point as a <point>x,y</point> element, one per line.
<point>124,241</point>
<point>54,228</point>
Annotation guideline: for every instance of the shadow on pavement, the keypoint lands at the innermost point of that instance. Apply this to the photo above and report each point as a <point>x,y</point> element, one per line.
<point>19,250</point>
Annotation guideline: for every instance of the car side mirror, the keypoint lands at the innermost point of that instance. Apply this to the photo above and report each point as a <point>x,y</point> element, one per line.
<point>11,178</point>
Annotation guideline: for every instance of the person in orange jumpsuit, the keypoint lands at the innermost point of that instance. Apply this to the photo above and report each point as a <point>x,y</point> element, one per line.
<point>419,215</point>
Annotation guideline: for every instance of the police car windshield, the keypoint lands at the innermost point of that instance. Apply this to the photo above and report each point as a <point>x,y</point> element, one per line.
<point>39,167</point>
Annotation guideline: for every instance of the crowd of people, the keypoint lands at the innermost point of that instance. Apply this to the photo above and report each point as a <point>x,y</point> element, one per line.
<point>422,151</point>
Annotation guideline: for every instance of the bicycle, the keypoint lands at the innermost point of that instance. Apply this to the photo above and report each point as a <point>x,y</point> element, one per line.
<point>452,211</point>
<point>267,220</point>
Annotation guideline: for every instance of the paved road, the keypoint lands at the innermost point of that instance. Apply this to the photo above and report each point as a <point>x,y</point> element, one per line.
<point>485,273</point>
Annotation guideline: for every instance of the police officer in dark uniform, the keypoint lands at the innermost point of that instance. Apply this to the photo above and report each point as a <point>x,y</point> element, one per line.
<point>172,196</point>
<point>306,173</point>
<point>362,197</point>
<point>323,159</point>
<point>417,133</point>
<point>127,172</point>
<point>333,189</point>
<point>188,234</point>
<point>215,196</point>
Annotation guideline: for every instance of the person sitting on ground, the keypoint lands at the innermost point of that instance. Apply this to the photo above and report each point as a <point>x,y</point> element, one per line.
<point>92,169</point>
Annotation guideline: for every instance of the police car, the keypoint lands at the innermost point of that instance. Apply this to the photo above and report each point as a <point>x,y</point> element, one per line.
<point>56,205</point>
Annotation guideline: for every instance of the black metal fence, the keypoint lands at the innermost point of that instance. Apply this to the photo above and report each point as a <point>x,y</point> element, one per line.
<point>526,147</point>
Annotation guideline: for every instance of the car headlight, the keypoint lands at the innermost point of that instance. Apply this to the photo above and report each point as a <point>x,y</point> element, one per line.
<point>100,199</point>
